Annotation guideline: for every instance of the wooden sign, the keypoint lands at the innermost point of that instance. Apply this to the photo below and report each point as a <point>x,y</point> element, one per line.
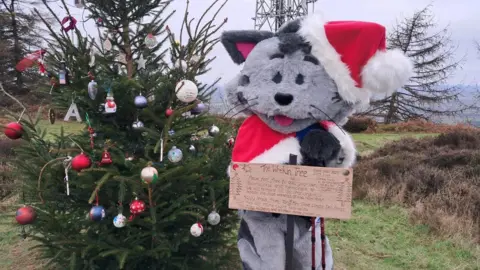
<point>291,190</point>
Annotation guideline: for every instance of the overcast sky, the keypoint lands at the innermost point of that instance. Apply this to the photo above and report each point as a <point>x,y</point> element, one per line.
<point>461,16</point>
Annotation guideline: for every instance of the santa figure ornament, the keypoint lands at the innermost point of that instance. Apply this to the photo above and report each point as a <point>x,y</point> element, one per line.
<point>106,158</point>
<point>13,130</point>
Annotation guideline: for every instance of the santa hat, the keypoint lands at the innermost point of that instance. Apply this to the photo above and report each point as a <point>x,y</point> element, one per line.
<point>354,55</point>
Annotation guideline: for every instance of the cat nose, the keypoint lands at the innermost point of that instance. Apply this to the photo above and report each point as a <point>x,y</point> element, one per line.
<point>283,99</point>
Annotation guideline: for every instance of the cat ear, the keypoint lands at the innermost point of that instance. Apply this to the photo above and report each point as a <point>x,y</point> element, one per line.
<point>239,44</point>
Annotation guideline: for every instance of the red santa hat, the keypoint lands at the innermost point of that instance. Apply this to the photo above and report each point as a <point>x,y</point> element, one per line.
<point>354,55</point>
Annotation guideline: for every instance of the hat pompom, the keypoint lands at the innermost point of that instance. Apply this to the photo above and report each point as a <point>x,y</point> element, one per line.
<point>387,71</point>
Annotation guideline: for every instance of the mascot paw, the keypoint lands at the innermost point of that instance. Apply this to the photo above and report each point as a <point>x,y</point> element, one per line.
<point>319,147</point>
<point>250,258</point>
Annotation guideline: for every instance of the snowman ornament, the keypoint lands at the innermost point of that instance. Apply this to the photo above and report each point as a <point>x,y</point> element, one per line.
<point>110,105</point>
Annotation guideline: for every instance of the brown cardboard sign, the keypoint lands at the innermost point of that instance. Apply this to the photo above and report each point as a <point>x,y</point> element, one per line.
<point>291,189</point>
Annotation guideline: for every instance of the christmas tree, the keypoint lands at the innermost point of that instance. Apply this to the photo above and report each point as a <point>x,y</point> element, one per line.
<point>144,186</point>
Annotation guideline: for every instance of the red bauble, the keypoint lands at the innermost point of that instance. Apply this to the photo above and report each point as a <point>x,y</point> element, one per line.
<point>25,215</point>
<point>137,207</point>
<point>169,112</point>
<point>81,162</point>
<point>13,130</point>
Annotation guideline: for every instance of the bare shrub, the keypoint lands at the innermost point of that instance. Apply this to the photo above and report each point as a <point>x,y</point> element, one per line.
<point>437,177</point>
<point>357,124</point>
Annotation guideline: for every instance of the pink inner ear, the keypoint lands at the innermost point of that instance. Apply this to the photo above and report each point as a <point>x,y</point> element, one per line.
<point>245,48</point>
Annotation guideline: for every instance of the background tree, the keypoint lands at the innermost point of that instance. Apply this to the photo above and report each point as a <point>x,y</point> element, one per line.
<point>427,94</point>
<point>182,194</point>
<point>19,36</point>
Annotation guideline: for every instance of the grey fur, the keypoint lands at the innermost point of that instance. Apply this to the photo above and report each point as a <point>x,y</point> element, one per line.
<point>281,77</point>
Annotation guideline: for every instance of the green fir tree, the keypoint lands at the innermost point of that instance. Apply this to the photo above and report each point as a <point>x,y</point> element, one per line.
<point>180,195</point>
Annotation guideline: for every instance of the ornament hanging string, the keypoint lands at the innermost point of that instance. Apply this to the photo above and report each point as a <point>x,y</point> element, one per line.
<point>67,164</point>
<point>96,198</point>
<point>39,181</point>
<point>72,22</point>
<point>90,131</point>
<point>16,100</point>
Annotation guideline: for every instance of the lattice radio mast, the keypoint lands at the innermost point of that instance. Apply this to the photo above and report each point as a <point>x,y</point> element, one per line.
<point>271,14</point>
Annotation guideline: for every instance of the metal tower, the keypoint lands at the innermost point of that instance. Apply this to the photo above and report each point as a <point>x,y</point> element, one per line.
<point>274,13</point>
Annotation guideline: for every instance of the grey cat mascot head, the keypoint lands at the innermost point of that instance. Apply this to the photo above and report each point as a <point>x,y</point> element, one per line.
<point>312,70</point>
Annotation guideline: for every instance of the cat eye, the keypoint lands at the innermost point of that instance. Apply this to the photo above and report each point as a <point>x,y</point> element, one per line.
<point>300,79</point>
<point>337,98</point>
<point>277,55</point>
<point>311,59</point>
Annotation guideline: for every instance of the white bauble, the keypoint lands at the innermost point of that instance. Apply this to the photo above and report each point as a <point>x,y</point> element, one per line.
<point>119,221</point>
<point>149,174</point>
<point>196,229</point>
<point>181,64</point>
<point>213,218</point>
<point>186,91</point>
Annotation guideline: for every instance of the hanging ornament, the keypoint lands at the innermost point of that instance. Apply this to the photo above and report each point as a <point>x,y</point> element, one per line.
<point>141,102</point>
<point>106,158</point>
<point>231,142</point>
<point>181,64</point>
<point>175,154</point>
<point>169,112</point>
<point>110,105</point>
<point>92,89</point>
<point>99,22</point>
<point>81,162</point>
<point>68,23</point>
<point>198,109</point>
<point>171,132</point>
<point>25,215</point>
<point>149,175</point>
<point>213,131</point>
<point>13,130</point>
<point>92,58</point>
<point>52,116</point>
<point>196,229</point>
<point>67,164</point>
<point>150,41</point>
<point>107,45</point>
<point>63,74</point>
<point>119,221</point>
<point>141,62</point>
<point>97,213</point>
<point>186,91</point>
<point>72,112</point>
<point>213,218</point>
<point>138,125</point>
<point>194,59</point>
<point>122,58</point>
<point>191,148</point>
<point>136,207</point>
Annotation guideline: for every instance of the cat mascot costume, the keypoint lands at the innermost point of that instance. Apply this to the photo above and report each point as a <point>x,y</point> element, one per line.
<point>299,86</point>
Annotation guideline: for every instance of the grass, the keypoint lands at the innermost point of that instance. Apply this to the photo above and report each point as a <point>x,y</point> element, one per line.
<point>367,143</point>
<point>381,237</point>
<point>377,237</point>
<point>68,127</point>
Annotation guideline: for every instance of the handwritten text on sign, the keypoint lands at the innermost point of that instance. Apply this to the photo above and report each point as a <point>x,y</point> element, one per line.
<point>291,189</point>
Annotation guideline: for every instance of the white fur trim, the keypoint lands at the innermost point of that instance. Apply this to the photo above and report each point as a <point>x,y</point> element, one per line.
<point>387,71</point>
<point>313,30</point>
<point>348,147</point>
<point>280,153</point>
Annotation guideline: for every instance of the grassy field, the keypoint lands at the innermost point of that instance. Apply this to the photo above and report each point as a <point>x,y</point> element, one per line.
<point>377,237</point>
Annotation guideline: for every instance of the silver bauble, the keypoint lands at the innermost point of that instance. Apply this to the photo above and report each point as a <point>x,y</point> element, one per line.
<point>92,90</point>
<point>213,218</point>
<point>191,148</point>
<point>141,102</point>
<point>213,131</point>
<point>137,125</point>
<point>198,109</point>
